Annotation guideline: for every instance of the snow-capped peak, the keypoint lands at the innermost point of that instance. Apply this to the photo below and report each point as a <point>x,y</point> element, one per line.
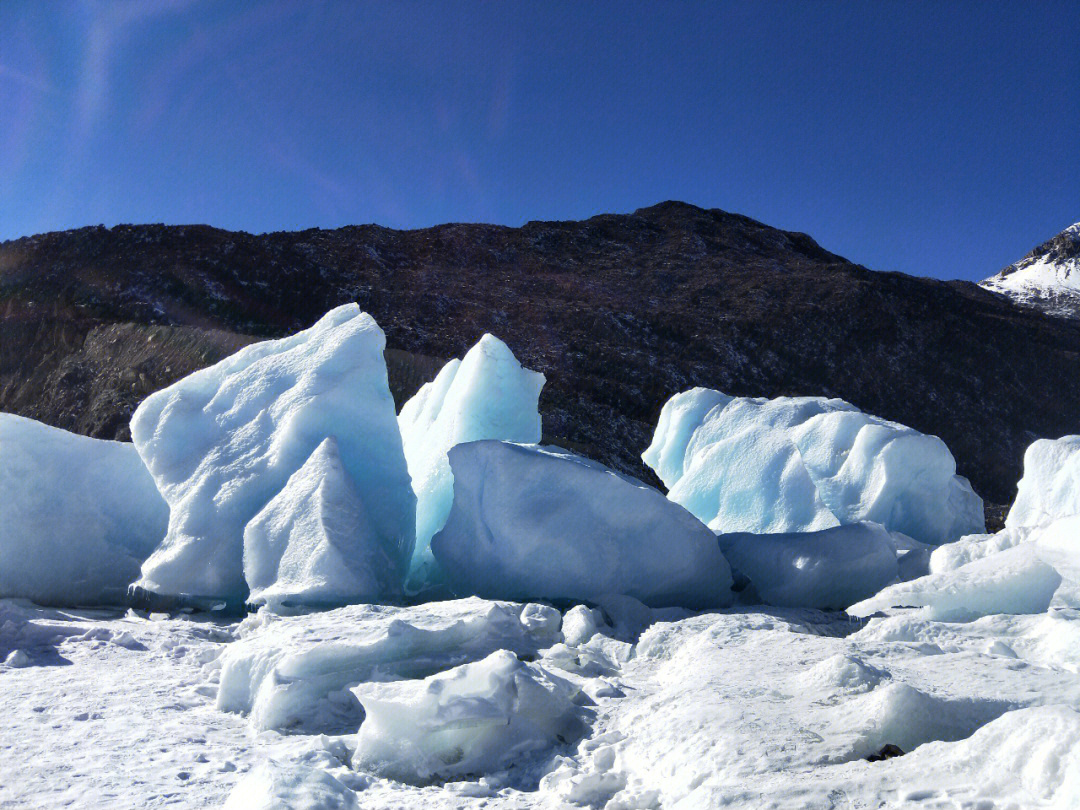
<point>1048,278</point>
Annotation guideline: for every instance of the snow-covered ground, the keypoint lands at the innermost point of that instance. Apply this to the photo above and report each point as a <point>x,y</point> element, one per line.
<point>743,707</point>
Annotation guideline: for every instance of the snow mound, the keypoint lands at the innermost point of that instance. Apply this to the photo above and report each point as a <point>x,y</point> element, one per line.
<point>472,720</point>
<point>827,569</point>
<point>293,673</point>
<point>1050,486</point>
<point>276,786</point>
<point>77,515</point>
<point>539,523</point>
<point>901,715</point>
<point>223,441</point>
<point>1015,581</point>
<point>842,672</point>
<point>796,464</point>
<point>313,543</point>
<point>487,395</point>
<point>1024,758</point>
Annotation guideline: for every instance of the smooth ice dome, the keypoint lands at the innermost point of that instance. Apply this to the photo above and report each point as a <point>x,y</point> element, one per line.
<point>223,441</point>
<point>471,720</point>
<point>280,786</point>
<point>827,569</point>
<point>1012,581</point>
<point>1050,486</point>
<point>77,515</point>
<point>797,464</point>
<point>487,395</point>
<point>314,544</point>
<point>534,522</point>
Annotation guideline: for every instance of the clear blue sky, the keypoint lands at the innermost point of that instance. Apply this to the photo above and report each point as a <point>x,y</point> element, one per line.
<point>937,138</point>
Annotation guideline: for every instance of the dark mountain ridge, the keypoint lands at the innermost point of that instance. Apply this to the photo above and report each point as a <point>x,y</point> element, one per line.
<point>619,311</point>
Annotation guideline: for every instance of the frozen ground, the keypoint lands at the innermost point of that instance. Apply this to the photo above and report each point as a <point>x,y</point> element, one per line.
<point>744,707</point>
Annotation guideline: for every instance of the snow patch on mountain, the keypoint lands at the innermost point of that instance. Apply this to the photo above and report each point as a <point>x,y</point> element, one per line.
<point>1048,278</point>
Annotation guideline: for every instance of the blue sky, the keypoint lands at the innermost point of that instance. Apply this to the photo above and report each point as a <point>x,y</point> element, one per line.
<point>938,138</point>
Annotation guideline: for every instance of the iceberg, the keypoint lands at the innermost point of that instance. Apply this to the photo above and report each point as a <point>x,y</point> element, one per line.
<point>827,569</point>
<point>1050,486</point>
<point>533,522</point>
<point>1044,520</point>
<point>313,543</point>
<point>487,395</point>
<point>77,515</point>
<point>479,718</point>
<point>223,441</point>
<point>798,464</point>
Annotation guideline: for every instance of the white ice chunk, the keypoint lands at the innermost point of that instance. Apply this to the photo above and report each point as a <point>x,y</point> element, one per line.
<point>223,441</point>
<point>17,659</point>
<point>475,719</point>
<point>280,786</point>
<point>290,673</point>
<point>487,395</point>
<point>314,544</point>
<point>806,463</point>
<point>1058,544</point>
<point>1050,486</point>
<point>540,523</point>
<point>77,515</point>
<point>827,569</point>
<point>580,624</point>
<point>972,547</point>
<point>1014,581</point>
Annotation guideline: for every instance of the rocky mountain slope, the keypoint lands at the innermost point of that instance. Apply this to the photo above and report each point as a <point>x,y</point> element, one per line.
<point>1047,279</point>
<point>619,311</point>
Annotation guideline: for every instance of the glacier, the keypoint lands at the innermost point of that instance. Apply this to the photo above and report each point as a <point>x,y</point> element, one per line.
<point>532,522</point>
<point>220,443</point>
<point>313,544</point>
<point>77,515</point>
<point>797,464</point>
<point>485,395</point>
